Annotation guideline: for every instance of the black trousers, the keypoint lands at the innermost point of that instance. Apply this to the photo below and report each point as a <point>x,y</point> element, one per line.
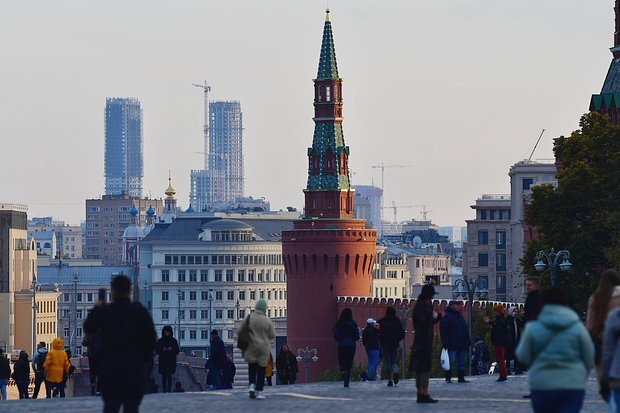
<point>345,358</point>
<point>257,375</point>
<point>38,379</point>
<point>128,395</point>
<point>166,382</point>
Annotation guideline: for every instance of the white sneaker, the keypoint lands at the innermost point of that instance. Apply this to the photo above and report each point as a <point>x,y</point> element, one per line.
<point>252,391</point>
<point>259,396</point>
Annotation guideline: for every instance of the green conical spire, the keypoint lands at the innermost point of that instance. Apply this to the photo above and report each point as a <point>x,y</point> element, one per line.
<point>328,68</point>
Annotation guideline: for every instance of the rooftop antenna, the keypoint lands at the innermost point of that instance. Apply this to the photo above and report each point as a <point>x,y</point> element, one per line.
<point>541,134</point>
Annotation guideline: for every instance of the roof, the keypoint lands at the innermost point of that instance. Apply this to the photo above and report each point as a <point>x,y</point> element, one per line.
<point>87,275</point>
<point>328,68</point>
<point>186,229</point>
<point>612,80</point>
<point>226,224</point>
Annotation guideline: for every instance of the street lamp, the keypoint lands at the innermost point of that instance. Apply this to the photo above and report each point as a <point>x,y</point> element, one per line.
<point>237,308</point>
<point>179,294</point>
<point>307,354</point>
<point>73,332</point>
<point>469,288</point>
<point>210,300</point>
<point>404,314</point>
<point>35,285</point>
<point>553,258</point>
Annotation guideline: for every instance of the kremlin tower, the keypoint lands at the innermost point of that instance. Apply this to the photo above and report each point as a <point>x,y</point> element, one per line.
<point>328,253</point>
<point>608,101</point>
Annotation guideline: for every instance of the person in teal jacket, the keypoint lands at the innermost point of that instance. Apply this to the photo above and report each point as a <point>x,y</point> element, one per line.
<point>560,354</point>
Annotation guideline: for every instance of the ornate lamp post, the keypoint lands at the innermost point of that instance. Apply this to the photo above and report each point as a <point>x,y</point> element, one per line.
<point>307,354</point>
<point>468,289</point>
<point>404,314</point>
<point>35,285</point>
<point>553,258</point>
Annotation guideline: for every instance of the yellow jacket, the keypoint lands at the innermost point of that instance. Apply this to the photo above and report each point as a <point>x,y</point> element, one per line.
<point>269,367</point>
<point>56,362</point>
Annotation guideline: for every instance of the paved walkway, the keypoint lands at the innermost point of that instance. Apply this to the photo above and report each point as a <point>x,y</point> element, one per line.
<point>481,395</point>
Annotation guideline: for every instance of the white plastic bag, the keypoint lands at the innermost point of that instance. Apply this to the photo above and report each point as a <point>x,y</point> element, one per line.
<point>445,359</point>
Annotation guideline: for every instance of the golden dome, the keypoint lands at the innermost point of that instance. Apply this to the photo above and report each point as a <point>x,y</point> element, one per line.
<point>170,191</point>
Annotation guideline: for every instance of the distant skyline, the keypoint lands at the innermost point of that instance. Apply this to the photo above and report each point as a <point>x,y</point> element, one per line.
<point>460,89</point>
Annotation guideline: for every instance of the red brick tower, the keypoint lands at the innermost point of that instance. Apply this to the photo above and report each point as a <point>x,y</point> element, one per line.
<point>328,253</point>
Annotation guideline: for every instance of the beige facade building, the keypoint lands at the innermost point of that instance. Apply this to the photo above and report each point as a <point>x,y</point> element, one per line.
<point>106,220</point>
<point>489,246</point>
<point>68,238</point>
<point>18,262</point>
<point>390,276</point>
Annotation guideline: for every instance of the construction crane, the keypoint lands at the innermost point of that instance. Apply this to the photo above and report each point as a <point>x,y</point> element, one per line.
<point>395,207</point>
<point>205,128</point>
<point>382,167</point>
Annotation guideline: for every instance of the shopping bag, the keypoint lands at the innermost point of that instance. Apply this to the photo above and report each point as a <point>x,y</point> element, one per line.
<point>445,359</point>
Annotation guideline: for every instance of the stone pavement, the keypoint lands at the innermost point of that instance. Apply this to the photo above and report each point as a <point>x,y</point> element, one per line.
<point>481,395</point>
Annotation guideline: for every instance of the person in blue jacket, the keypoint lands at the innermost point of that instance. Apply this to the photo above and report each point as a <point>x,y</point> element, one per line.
<point>346,333</point>
<point>455,338</point>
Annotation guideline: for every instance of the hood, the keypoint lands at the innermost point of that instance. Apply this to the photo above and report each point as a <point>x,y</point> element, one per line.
<point>451,310</point>
<point>42,350</point>
<point>57,344</point>
<point>557,317</point>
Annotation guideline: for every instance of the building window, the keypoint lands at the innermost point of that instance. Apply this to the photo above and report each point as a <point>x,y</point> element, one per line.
<point>192,314</point>
<point>218,275</point>
<point>250,275</point>
<point>500,284</point>
<point>182,335</point>
<point>242,295</point>
<point>492,214</point>
<point>229,275</point>
<point>218,314</point>
<point>241,313</point>
<point>483,237</point>
<point>192,334</point>
<point>165,276</point>
<point>483,260</point>
<point>261,294</point>
<point>241,275</point>
<point>218,295</point>
<point>182,314</point>
<point>483,214</point>
<point>230,314</point>
<point>164,314</point>
<point>500,240</point>
<point>168,260</point>
<point>192,295</point>
<point>89,297</point>
<point>181,275</point>
<point>164,295</point>
<point>192,275</point>
<point>204,335</point>
<point>230,295</point>
<point>500,262</point>
<point>231,334</point>
<point>527,183</point>
<point>204,314</point>
<point>252,295</point>
<point>204,275</point>
<point>204,295</point>
<point>417,263</point>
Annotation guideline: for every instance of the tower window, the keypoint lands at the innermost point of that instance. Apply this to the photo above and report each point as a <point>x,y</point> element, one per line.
<point>327,93</point>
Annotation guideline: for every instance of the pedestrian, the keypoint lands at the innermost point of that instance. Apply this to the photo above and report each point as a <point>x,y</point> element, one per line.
<point>391,332</point>
<point>480,357</point>
<point>605,298</point>
<point>286,364</point>
<point>532,301</point>
<point>559,353</point>
<point>216,361</point>
<point>167,349</point>
<point>346,333</point>
<point>39,374</point>
<point>56,365</point>
<point>514,331</point>
<point>5,374</point>
<point>178,388</point>
<point>260,331</point>
<point>269,371</point>
<point>455,338</point>
<point>499,339</point>
<point>128,343</point>
<point>21,374</point>
<point>610,360</point>
<point>228,373</point>
<point>424,318</point>
<point>93,342</point>
<point>370,339</point>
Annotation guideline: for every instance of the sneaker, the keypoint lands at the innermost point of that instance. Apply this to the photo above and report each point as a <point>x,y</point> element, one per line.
<point>395,379</point>
<point>390,384</point>
<point>252,391</point>
<point>426,399</point>
<point>502,379</point>
<point>259,396</point>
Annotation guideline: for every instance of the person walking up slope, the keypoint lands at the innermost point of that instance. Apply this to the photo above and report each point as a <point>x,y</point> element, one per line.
<point>499,339</point>
<point>167,348</point>
<point>21,374</point>
<point>346,333</point>
<point>56,366</point>
<point>261,332</point>
<point>5,374</point>
<point>39,374</point>
<point>455,338</point>
<point>370,338</point>
<point>286,364</point>
<point>391,333</point>
<point>424,319</point>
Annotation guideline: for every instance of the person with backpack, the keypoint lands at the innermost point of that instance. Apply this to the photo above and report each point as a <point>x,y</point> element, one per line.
<point>559,352</point>
<point>39,374</point>
<point>391,334</point>
<point>167,348</point>
<point>370,339</point>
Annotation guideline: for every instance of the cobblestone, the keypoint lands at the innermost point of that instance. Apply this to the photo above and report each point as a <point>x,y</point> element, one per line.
<point>481,395</point>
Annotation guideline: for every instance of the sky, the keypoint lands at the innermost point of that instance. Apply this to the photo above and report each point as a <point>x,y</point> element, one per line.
<point>458,89</point>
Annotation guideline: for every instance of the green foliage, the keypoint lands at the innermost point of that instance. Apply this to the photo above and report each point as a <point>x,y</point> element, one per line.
<point>583,213</point>
<point>333,374</point>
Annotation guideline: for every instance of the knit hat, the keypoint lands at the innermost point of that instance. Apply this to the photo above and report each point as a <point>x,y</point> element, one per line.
<point>498,308</point>
<point>261,305</point>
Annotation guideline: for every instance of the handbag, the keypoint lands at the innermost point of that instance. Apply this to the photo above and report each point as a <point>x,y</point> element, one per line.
<point>243,336</point>
<point>444,359</point>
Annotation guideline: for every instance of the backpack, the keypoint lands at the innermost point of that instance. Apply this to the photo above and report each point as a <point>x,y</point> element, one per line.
<point>243,336</point>
<point>40,361</point>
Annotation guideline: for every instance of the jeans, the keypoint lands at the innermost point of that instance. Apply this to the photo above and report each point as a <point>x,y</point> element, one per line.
<point>557,401</point>
<point>3,383</point>
<point>390,358</point>
<point>614,401</point>
<point>256,375</point>
<point>373,362</point>
<point>500,355</point>
<point>22,388</point>
<point>460,356</point>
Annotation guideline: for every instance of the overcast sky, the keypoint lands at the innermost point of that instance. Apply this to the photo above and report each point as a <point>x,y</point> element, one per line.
<point>460,89</point>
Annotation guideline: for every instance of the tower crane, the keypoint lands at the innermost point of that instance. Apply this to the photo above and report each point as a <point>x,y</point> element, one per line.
<point>382,167</point>
<point>395,207</point>
<point>205,128</point>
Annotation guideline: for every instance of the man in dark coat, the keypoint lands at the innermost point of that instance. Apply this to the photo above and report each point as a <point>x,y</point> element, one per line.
<point>128,341</point>
<point>532,301</point>
<point>370,338</point>
<point>216,362</point>
<point>167,348</point>
<point>5,374</point>
<point>391,332</point>
<point>455,338</point>
<point>286,364</point>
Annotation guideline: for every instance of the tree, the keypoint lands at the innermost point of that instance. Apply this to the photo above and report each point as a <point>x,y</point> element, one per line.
<point>581,214</point>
